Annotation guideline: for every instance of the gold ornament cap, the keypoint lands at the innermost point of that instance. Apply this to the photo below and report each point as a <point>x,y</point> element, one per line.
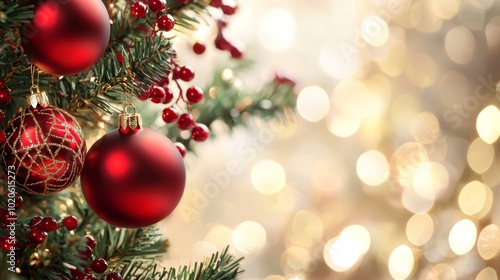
<point>129,122</point>
<point>37,97</point>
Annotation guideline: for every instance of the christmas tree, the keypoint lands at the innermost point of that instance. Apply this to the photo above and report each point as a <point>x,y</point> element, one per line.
<point>76,76</point>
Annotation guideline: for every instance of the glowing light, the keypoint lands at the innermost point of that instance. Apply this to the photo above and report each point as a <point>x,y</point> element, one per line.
<point>306,229</point>
<point>445,9</point>
<point>249,237</point>
<point>313,103</point>
<point>414,203</point>
<point>372,168</point>
<point>419,229</point>
<point>360,234</point>
<point>340,253</point>
<point>401,262</point>
<point>462,237</point>
<point>488,273</point>
<point>488,124</point>
<point>488,242</point>
<point>425,128</point>
<point>268,177</point>
<point>430,179</point>
<point>460,44</point>
<point>480,156</point>
<point>344,125</point>
<point>374,30</point>
<point>296,258</point>
<point>421,70</point>
<point>475,199</point>
<point>277,29</point>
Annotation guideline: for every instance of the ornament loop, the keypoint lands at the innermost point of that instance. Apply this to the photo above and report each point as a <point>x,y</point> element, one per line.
<point>37,97</point>
<point>129,122</point>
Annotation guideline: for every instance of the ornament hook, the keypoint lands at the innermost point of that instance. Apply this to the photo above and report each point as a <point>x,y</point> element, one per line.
<point>129,122</point>
<point>36,97</point>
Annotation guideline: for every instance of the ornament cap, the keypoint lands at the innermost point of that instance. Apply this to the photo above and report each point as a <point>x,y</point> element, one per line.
<point>37,97</point>
<point>129,122</point>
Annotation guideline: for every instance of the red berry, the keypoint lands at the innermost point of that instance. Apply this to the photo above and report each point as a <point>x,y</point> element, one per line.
<point>114,276</point>
<point>2,137</point>
<point>199,48</point>
<point>6,242</point>
<point>156,93</point>
<point>175,72</point>
<point>221,23</point>
<point>70,222</point>
<point>2,83</point>
<point>86,253</point>
<point>37,235</point>
<point>48,224</point>
<point>5,96</point>
<point>2,115</point>
<point>216,3</point>
<point>221,43</point>
<point>90,241</point>
<point>139,9</point>
<point>181,148</point>
<point>185,121</point>
<point>194,94</point>
<point>229,9</point>
<point>169,95</point>
<point>163,82</point>
<point>99,265</point>
<point>186,73</point>
<point>236,53</point>
<point>157,5</point>
<point>34,221</point>
<point>166,22</point>
<point>281,80</point>
<point>8,217</point>
<point>170,115</point>
<point>86,276</point>
<point>199,133</point>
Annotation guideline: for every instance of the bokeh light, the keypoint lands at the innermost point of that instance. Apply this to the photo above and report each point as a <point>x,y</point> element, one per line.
<point>313,103</point>
<point>488,124</point>
<point>401,262</point>
<point>475,199</point>
<point>480,155</point>
<point>341,253</point>
<point>249,237</point>
<point>462,237</point>
<point>277,29</point>
<point>268,177</point>
<point>488,273</point>
<point>372,168</point>
<point>488,242</point>
<point>419,229</point>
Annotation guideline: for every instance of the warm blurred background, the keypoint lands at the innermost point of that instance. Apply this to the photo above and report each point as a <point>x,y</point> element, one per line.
<point>389,169</point>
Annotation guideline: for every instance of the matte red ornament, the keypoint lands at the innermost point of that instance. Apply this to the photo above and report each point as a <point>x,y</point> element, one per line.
<point>133,180</point>
<point>66,37</point>
<point>47,148</point>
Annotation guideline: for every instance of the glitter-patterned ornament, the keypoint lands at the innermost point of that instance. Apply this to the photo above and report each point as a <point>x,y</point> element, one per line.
<point>45,147</point>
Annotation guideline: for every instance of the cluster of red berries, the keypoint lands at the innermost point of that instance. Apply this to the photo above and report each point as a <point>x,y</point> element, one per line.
<point>98,265</point>
<point>40,226</point>
<point>161,93</point>
<point>163,20</point>
<point>235,48</point>
<point>5,96</point>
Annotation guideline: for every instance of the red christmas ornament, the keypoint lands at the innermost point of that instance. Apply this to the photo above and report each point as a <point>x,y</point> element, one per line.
<point>46,146</point>
<point>66,37</point>
<point>133,179</point>
<point>166,22</point>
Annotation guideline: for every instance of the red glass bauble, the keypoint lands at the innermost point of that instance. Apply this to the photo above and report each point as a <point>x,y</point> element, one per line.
<point>45,147</point>
<point>133,180</point>
<point>66,37</point>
